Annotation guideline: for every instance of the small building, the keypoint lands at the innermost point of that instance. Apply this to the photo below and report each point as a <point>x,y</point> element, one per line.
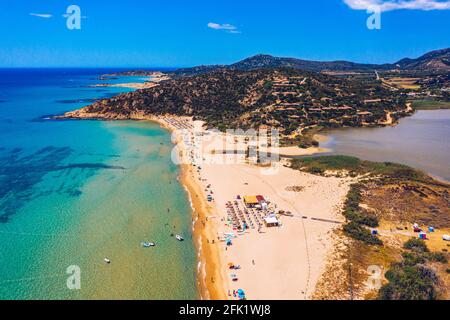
<point>260,199</point>
<point>251,201</point>
<point>271,221</point>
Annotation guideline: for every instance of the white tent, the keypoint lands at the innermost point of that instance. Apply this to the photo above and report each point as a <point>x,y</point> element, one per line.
<point>271,221</point>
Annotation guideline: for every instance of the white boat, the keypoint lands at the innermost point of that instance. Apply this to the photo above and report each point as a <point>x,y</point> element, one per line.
<point>107,261</point>
<point>179,238</point>
<point>148,244</point>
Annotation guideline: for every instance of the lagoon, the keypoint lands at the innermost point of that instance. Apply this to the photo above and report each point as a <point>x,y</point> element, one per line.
<point>421,141</point>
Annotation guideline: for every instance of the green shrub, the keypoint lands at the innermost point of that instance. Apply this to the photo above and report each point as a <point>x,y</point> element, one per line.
<point>438,257</point>
<point>410,279</point>
<point>409,283</point>
<point>412,259</point>
<point>352,210</point>
<point>316,170</point>
<point>359,232</point>
<point>416,245</point>
<point>356,167</point>
<point>361,218</point>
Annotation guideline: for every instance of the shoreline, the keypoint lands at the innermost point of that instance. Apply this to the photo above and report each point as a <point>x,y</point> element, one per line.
<point>294,276</point>
<point>208,259</point>
<point>312,238</point>
<point>131,85</point>
<point>151,80</point>
<point>309,233</point>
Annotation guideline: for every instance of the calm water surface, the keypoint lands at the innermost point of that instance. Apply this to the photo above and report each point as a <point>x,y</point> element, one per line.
<point>421,141</point>
<point>75,192</point>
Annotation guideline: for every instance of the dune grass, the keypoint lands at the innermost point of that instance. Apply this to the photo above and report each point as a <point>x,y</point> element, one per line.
<point>356,167</point>
<point>429,104</point>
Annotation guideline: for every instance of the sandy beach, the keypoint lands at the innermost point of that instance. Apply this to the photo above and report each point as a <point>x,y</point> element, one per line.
<point>282,262</point>
<point>131,85</point>
<point>151,81</point>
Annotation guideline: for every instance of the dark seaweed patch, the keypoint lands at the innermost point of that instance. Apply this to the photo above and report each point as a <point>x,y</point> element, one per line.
<point>89,166</point>
<point>21,173</point>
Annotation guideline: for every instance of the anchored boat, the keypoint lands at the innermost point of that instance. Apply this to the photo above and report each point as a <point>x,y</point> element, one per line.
<point>148,244</point>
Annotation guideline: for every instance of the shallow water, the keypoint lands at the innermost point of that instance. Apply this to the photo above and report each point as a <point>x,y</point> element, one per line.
<point>75,192</point>
<point>421,141</point>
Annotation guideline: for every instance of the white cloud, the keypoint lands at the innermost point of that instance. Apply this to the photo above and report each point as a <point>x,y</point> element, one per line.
<point>389,5</point>
<point>42,15</point>
<point>226,27</point>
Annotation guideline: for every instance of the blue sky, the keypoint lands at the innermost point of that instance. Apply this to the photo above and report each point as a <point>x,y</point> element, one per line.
<point>151,33</point>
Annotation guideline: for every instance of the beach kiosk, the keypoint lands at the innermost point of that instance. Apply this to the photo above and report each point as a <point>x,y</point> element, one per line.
<point>251,201</point>
<point>271,221</point>
<point>261,199</point>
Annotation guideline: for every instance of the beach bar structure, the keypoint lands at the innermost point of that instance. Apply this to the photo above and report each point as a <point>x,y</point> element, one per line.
<point>253,201</point>
<point>261,199</point>
<point>271,221</point>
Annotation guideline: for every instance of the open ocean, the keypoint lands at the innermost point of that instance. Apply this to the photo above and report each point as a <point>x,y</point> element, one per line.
<point>75,192</point>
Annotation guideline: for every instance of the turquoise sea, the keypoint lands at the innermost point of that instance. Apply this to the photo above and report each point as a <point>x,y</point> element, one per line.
<point>73,193</point>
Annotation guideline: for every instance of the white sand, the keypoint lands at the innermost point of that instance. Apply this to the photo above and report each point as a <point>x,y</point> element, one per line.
<point>288,260</point>
<point>279,263</point>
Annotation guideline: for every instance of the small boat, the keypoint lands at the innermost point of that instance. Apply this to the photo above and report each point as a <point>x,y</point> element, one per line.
<point>107,261</point>
<point>148,244</point>
<point>179,238</point>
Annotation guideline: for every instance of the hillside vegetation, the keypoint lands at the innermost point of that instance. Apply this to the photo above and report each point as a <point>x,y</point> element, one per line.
<point>394,195</point>
<point>287,99</point>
